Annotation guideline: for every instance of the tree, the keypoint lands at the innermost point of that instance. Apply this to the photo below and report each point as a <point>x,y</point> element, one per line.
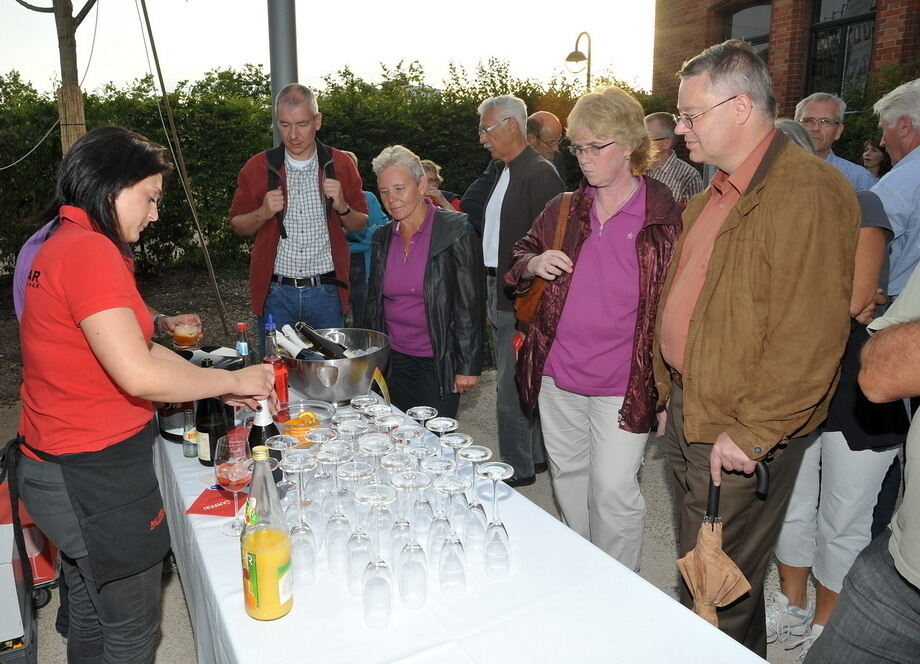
<point>70,98</point>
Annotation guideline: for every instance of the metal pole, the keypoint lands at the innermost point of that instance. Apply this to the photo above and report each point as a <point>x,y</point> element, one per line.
<point>282,47</point>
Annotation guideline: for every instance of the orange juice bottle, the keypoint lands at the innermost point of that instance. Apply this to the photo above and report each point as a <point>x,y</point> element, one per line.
<point>266,551</point>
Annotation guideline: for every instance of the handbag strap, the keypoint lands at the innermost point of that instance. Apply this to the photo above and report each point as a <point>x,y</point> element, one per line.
<point>563,220</point>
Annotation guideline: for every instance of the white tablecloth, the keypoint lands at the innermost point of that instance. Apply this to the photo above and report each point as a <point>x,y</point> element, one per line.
<point>566,601</point>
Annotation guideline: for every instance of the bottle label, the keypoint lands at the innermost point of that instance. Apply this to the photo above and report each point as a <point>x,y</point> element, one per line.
<point>191,436</point>
<point>252,591</point>
<point>251,579</point>
<point>204,446</point>
<point>242,348</point>
<point>263,418</point>
<point>251,516</point>
<point>285,583</point>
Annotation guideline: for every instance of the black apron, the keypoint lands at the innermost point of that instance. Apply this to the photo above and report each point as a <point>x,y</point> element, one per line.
<point>117,501</point>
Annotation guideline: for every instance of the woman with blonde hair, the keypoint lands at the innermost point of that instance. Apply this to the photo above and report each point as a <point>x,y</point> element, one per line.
<point>586,357</point>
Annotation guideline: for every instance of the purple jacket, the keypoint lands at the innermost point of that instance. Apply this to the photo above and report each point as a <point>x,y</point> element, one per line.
<point>654,247</point>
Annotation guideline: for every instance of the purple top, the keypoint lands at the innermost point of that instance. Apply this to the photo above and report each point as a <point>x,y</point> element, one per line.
<point>594,339</point>
<point>403,290</point>
<point>24,263</point>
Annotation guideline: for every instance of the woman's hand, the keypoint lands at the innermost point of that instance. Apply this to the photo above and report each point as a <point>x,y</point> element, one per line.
<point>168,323</point>
<point>252,384</point>
<point>438,198</point>
<point>464,383</point>
<point>548,265</point>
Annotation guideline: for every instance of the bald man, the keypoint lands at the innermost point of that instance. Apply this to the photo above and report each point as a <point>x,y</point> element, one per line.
<point>544,134</point>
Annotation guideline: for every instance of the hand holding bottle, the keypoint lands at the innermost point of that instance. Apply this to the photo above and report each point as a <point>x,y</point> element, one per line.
<point>252,383</point>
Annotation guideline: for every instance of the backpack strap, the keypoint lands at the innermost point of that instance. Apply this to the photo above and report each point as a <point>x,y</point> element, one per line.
<point>275,162</point>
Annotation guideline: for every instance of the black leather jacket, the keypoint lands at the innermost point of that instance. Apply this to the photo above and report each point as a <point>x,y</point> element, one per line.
<point>454,294</point>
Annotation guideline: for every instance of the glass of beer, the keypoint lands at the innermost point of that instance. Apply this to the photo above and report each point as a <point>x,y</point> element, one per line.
<point>185,336</point>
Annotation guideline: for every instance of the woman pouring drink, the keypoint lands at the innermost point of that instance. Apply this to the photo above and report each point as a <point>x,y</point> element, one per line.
<point>90,375</point>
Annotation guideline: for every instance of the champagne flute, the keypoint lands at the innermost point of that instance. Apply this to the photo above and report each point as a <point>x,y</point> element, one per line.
<point>358,548</point>
<point>497,546</point>
<point>411,564</point>
<point>440,526</point>
<point>441,425</point>
<point>395,463</point>
<point>422,414</point>
<point>320,486</point>
<point>377,583</point>
<point>362,401</point>
<point>282,444</point>
<point>233,469</point>
<point>476,521</point>
<point>338,529</point>
<point>298,462</point>
<point>452,560</point>
<point>407,434</point>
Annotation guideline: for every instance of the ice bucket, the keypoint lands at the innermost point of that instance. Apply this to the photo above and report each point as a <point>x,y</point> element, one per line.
<point>337,381</point>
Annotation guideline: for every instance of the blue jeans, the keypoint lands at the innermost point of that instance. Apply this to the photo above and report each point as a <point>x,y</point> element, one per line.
<point>318,306</point>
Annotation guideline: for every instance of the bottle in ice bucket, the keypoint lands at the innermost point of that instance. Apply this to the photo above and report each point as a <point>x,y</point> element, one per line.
<point>266,550</point>
<point>273,358</point>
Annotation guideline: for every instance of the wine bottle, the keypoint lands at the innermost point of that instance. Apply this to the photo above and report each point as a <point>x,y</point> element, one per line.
<point>268,589</point>
<point>273,358</point>
<point>263,428</point>
<point>210,424</point>
<point>326,347</point>
<point>297,351</point>
<point>243,349</point>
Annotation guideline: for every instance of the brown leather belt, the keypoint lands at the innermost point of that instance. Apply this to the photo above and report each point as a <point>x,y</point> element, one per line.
<point>676,377</point>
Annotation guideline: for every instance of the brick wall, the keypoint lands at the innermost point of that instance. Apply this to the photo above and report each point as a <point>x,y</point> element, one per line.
<point>897,32</point>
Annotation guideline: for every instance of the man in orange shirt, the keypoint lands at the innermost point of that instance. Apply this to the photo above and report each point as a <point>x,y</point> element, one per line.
<point>755,314</point>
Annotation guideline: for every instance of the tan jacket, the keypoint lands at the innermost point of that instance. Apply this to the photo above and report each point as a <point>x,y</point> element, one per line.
<point>768,331</point>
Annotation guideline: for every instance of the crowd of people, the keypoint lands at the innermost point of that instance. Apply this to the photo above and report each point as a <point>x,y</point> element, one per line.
<point>731,321</point>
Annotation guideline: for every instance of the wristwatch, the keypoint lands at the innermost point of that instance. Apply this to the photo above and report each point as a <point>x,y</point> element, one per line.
<point>347,210</point>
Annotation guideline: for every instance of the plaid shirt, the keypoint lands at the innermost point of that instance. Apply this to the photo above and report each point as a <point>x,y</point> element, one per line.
<point>306,251</point>
<point>681,178</point>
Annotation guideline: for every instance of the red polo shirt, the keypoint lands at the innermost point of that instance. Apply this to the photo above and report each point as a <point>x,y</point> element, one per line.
<point>69,403</point>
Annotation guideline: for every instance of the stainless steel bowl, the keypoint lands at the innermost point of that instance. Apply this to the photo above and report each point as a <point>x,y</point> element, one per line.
<point>337,381</point>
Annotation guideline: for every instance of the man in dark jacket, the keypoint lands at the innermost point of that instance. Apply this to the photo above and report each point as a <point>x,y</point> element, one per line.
<point>525,184</point>
<point>296,200</point>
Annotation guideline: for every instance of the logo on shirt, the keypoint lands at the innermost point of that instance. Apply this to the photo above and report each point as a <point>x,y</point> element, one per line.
<point>32,281</point>
<point>630,236</point>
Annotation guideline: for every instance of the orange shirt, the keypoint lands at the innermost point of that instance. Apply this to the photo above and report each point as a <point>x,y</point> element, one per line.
<point>69,403</point>
<point>726,191</point>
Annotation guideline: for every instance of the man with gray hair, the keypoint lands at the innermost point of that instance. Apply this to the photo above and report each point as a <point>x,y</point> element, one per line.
<point>754,315</point>
<point>681,178</point>
<point>899,120</point>
<point>525,184</point>
<point>298,199</point>
<point>821,113</point>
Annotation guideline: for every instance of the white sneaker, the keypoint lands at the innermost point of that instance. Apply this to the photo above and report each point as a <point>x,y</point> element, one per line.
<point>807,642</point>
<point>785,620</point>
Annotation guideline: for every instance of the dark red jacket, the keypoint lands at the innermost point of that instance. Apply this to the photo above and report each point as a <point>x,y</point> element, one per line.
<point>251,185</point>
<point>654,246</point>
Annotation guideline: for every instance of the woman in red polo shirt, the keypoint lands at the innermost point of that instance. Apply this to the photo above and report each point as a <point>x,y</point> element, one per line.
<point>90,375</point>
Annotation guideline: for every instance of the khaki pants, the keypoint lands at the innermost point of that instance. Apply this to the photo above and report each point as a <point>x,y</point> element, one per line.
<point>751,525</point>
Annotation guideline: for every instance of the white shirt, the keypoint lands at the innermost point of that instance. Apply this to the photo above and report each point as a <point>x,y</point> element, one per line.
<point>493,219</point>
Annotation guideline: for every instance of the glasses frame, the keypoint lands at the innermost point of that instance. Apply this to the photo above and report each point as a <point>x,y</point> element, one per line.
<point>488,130</point>
<point>818,122</point>
<point>688,119</point>
<point>588,150</point>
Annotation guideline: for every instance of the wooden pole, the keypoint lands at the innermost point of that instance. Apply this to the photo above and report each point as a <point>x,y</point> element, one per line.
<point>70,98</point>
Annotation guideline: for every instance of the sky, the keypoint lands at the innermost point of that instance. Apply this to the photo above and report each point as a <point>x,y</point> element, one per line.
<point>195,36</point>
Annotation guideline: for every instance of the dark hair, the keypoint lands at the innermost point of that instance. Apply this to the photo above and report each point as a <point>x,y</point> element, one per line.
<point>885,166</point>
<point>96,169</point>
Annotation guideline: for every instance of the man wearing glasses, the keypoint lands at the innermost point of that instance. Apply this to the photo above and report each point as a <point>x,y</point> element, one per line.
<point>544,134</point>
<point>755,315</point>
<point>524,185</point>
<point>681,178</point>
<point>821,114</point>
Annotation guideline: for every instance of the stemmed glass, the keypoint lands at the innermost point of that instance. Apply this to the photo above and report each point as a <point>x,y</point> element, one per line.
<point>303,543</point>
<point>407,435</point>
<point>233,469</point>
<point>394,463</point>
<point>389,423</point>
<point>280,445</point>
<point>421,512</point>
<point>358,547</point>
<point>441,425</point>
<point>452,561</point>
<point>377,583</point>
<point>476,520</point>
<point>497,547</point>
<point>422,414</point>
<point>376,411</point>
<point>338,529</point>
<point>375,445</point>
<point>411,565</point>
<point>456,441</point>
<point>440,526</point>
<point>362,401</point>
<point>317,437</point>
<point>351,429</point>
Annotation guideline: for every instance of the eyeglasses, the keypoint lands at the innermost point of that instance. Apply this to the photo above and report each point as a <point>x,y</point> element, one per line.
<point>688,119</point>
<point>589,150</point>
<point>488,130</point>
<point>817,122</point>
<point>663,138</point>
<point>551,144</point>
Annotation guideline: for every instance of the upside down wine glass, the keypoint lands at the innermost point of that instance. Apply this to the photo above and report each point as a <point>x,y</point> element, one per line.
<point>338,529</point>
<point>411,563</point>
<point>452,560</point>
<point>474,530</point>
<point>497,546</point>
<point>358,547</point>
<point>377,584</point>
<point>422,414</point>
<point>440,525</point>
<point>299,462</point>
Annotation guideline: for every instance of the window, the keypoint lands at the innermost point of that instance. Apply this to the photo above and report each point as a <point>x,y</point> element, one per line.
<point>841,46</point>
<point>751,24</point>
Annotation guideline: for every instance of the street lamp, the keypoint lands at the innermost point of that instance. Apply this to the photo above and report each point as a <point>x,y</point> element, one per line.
<point>576,58</point>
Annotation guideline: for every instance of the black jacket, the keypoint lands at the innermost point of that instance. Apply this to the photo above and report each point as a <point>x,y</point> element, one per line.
<point>454,294</point>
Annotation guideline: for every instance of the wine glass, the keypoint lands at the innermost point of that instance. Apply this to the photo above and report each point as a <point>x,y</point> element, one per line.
<point>411,565</point>
<point>497,546</point>
<point>358,547</point>
<point>452,561</point>
<point>376,411</point>
<point>346,413</point>
<point>441,425</point>
<point>279,446</point>
<point>440,525</point>
<point>350,430</point>
<point>233,469</point>
<point>394,463</point>
<point>456,441</point>
<point>407,434</point>
<point>303,543</point>
<point>389,423</point>
<point>375,445</point>
<point>422,414</point>
<point>377,583</point>
<point>476,521</point>
<point>322,481</point>
<point>362,401</point>
<point>338,529</point>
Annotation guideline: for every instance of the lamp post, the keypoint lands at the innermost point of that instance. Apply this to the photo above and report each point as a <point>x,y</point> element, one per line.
<point>576,57</point>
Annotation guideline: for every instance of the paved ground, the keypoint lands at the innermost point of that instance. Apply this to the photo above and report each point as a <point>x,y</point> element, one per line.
<point>477,417</point>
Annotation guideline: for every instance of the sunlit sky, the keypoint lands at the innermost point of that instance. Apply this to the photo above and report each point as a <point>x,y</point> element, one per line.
<point>195,36</point>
